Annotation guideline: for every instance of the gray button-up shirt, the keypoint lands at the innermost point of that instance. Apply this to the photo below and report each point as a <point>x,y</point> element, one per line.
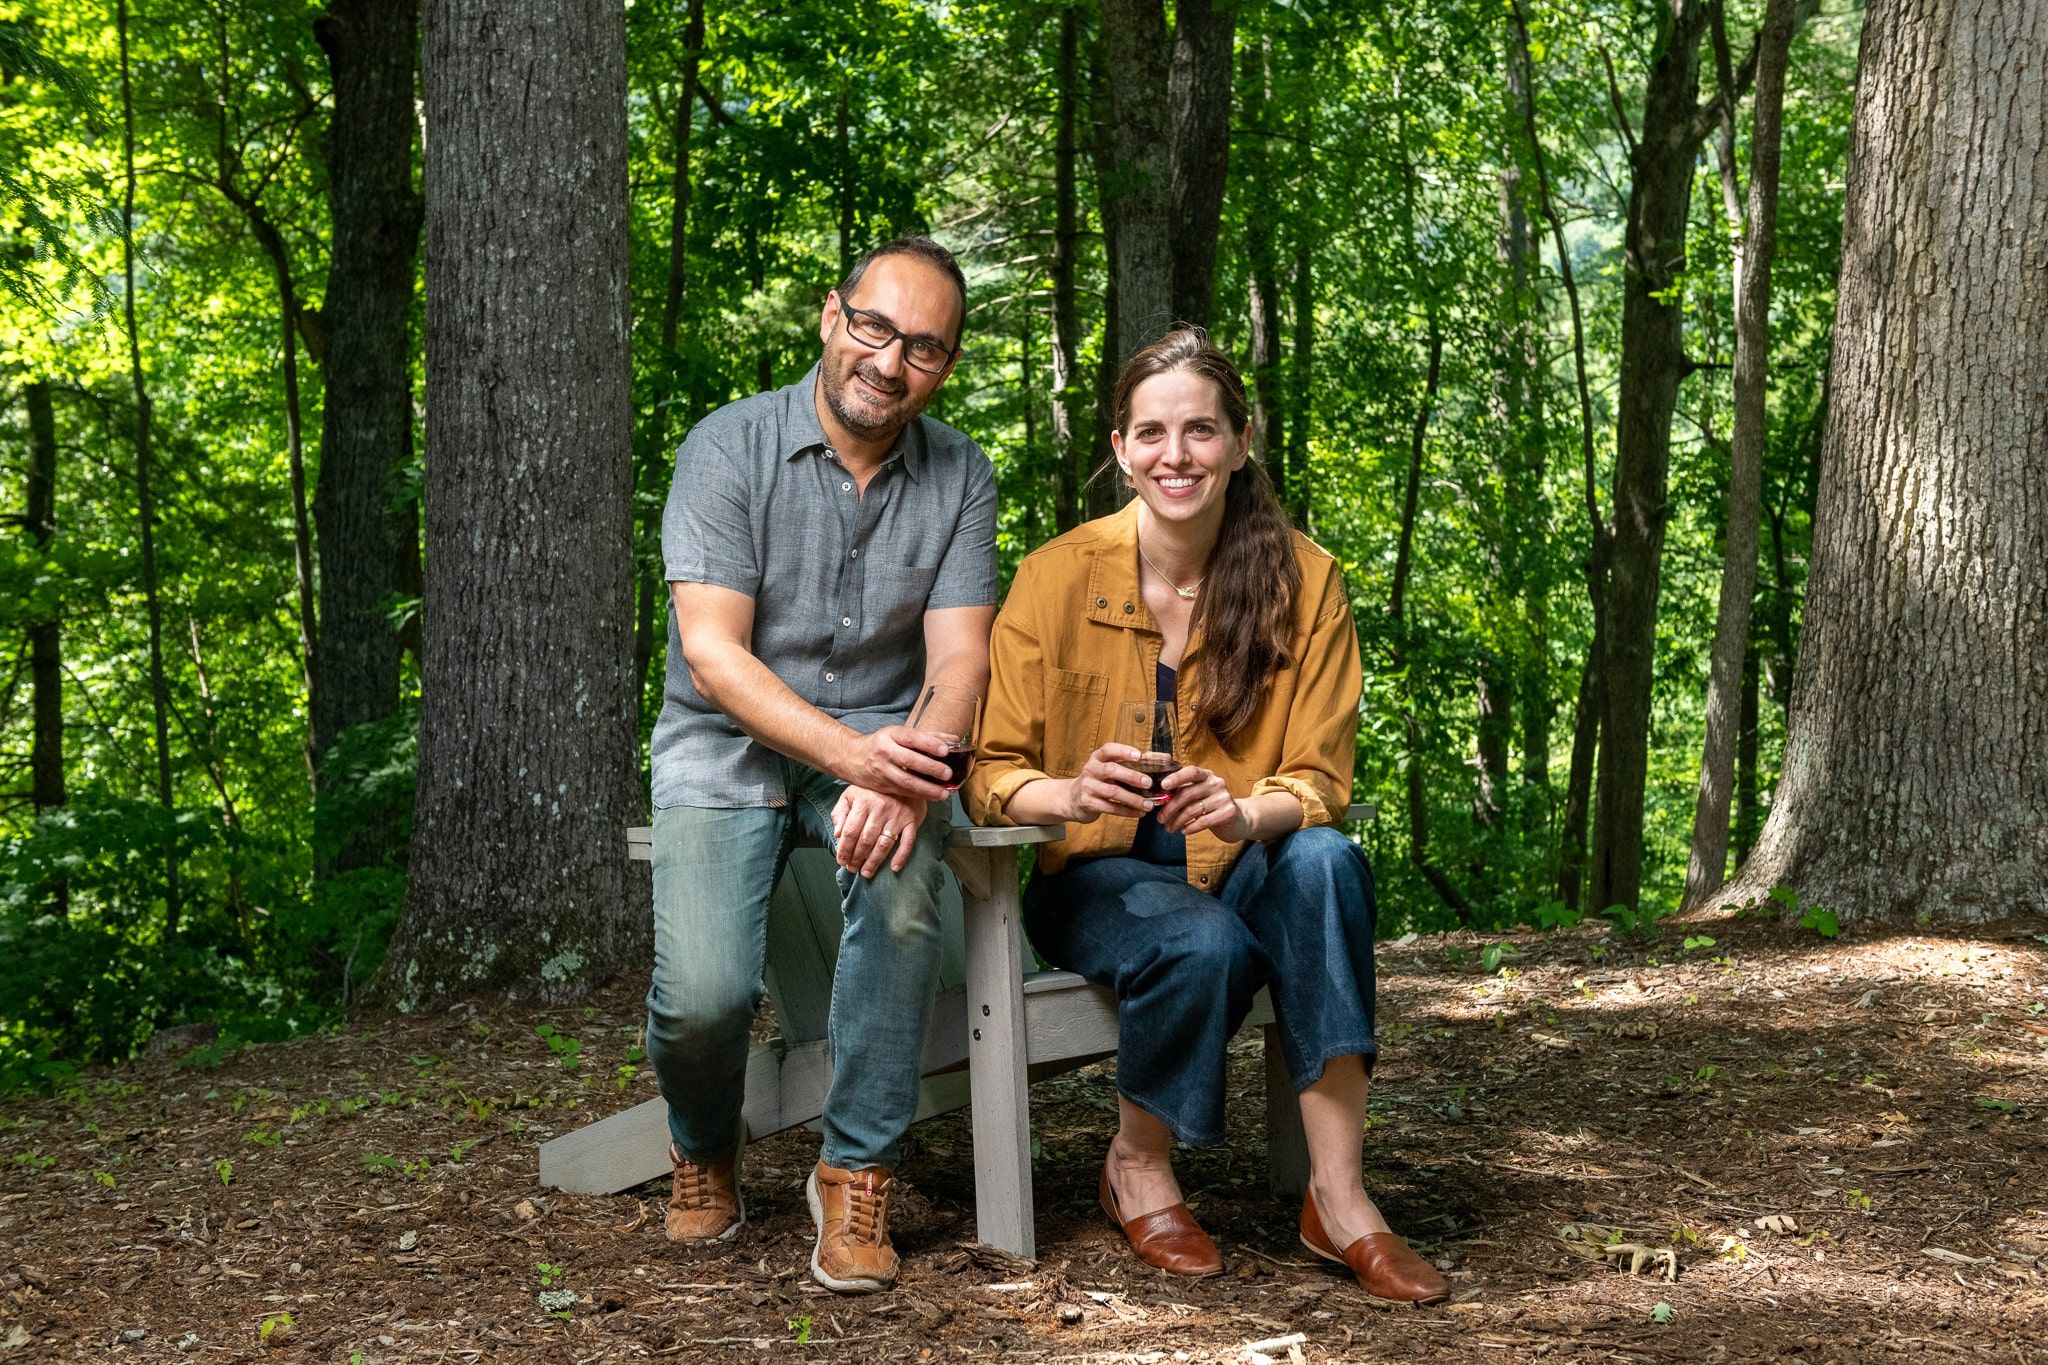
<point>840,580</point>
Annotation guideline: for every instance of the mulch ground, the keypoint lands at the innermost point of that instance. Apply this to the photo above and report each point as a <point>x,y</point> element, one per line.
<point>1843,1145</point>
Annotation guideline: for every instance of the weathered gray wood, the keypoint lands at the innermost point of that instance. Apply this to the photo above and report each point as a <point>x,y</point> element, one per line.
<point>997,1054</point>
<point>1286,1142</point>
<point>640,838</point>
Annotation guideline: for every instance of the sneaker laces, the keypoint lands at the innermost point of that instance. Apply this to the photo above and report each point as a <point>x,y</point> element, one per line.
<point>867,1207</point>
<point>693,1185</point>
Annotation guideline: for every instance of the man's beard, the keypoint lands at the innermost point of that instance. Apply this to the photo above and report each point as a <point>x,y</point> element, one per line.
<point>856,414</point>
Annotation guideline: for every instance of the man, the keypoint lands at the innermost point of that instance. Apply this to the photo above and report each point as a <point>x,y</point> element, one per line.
<point>830,552</point>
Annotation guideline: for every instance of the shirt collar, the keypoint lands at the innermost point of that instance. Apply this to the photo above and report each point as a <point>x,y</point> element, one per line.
<point>803,434</point>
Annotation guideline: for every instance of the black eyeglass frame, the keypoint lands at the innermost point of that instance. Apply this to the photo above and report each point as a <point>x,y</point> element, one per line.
<point>850,313</point>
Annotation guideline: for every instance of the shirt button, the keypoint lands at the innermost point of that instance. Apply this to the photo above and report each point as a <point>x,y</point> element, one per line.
<point>846,488</point>
<point>853,554</point>
<point>1203,880</point>
<point>1102,601</point>
<point>831,678</point>
<point>846,620</point>
<point>1128,609</point>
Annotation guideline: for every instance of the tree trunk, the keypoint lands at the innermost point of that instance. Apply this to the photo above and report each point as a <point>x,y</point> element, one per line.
<point>1068,474</point>
<point>1102,492</point>
<point>1301,369</point>
<point>1745,464</point>
<point>1653,361</point>
<point>527,771</point>
<point>365,542</point>
<point>45,638</point>
<point>1198,90</point>
<point>1137,179</point>
<point>1913,776</point>
<point>145,503</point>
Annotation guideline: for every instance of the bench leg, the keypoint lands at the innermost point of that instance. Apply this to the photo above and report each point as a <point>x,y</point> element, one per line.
<point>1286,1143</point>
<point>997,1058</point>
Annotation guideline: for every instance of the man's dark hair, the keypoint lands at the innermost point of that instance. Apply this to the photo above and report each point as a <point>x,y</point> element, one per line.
<point>924,249</point>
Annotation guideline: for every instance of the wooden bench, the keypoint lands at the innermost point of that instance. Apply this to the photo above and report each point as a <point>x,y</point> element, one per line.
<point>997,1025</point>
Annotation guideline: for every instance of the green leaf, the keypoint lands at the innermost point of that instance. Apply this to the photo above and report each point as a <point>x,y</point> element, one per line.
<point>1661,1313</point>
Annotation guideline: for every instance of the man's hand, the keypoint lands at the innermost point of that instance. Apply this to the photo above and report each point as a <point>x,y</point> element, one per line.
<point>1107,787</point>
<point>899,761</point>
<point>870,828</point>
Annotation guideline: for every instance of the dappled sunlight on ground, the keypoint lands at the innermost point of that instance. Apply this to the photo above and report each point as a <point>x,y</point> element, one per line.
<point>1844,1144</point>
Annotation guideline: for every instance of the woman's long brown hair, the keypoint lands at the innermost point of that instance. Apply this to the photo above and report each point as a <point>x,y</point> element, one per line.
<point>1243,619</point>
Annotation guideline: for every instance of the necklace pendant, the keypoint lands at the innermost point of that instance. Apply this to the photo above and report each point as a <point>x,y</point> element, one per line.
<point>1186,594</point>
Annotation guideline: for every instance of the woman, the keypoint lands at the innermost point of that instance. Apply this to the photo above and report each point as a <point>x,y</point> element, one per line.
<point>1201,592</point>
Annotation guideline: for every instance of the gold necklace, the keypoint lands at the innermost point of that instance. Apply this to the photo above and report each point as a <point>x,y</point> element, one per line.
<point>1186,594</point>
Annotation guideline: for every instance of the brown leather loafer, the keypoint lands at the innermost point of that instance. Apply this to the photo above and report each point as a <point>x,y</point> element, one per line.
<point>1169,1240</point>
<point>1382,1262</point>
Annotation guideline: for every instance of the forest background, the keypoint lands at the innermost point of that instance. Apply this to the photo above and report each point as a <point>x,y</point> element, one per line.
<point>1422,229</point>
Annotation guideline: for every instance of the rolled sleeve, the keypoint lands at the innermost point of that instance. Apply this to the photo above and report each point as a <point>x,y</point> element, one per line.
<point>967,573</point>
<point>1321,742</point>
<point>707,525</point>
<point>1012,724</point>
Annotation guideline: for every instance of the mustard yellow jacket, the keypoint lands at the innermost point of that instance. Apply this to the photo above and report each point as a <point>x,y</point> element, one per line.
<point>1074,639</point>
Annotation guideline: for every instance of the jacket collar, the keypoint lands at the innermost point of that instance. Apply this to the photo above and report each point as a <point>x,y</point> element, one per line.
<point>1113,596</point>
<point>803,434</point>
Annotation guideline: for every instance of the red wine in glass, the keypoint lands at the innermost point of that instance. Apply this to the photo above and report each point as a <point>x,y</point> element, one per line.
<point>949,713</point>
<point>1149,727</point>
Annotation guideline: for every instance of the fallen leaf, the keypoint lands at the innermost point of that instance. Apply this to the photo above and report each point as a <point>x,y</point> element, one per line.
<point>525,1210</point>
<point>1778,1222</point>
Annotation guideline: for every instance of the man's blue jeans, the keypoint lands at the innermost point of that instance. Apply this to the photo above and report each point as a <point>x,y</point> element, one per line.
<point>1296,915</point>
<point>714,872</point>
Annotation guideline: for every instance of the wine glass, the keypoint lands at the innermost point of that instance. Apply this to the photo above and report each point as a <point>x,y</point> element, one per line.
<point>949,713</point>
<point>1149,727</point>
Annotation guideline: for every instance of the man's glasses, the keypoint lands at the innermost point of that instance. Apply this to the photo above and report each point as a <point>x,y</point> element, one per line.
<point>877,333</point>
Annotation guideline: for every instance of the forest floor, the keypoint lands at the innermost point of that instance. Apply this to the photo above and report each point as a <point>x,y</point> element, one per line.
<point>370,1195</point>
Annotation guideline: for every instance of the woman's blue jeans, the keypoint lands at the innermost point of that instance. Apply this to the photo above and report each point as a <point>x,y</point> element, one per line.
<point>1296,915</point>
<point>714,872</point>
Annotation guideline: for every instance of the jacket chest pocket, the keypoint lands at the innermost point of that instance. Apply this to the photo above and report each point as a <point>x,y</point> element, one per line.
<point>1073,718</point>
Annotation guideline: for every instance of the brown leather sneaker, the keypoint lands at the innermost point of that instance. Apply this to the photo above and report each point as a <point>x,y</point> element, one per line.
<point>1381,1262</point>
<point>705,1203</point>
<point>851,1211</point>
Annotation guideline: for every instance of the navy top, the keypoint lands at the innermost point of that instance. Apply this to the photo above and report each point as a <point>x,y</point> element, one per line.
<point>1153,843</point>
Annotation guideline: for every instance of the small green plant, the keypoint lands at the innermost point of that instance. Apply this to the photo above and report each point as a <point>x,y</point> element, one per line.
<point>567,1050</point>
<point>2002,1106</point>
<point>1638,920</point>
<point>1857,1199</point>
<point>264,1137</point>
<point>1597,951</point>
<point>1660,1313</point>
<point>1822,922</point>
<point>35,1161</point>
<point>103,1178</point>
<point>1496,953</point>
<point>277,1324</point>
<point>1558,915</point>
<point>459,1150</point>
<point>225,1169</point>
<point>802,1327</point>
<point>1694,941</point>
<point>550,1273</point>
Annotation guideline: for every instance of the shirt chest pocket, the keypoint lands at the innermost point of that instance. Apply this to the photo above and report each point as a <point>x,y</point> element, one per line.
<point>1073,718</point>
<point>893,597</point>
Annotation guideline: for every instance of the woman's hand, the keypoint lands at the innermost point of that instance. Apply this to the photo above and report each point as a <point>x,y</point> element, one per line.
<point>1200,801</point>
<point>1107,787</point>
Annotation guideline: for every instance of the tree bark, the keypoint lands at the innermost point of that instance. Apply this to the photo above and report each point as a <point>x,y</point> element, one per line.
<point>1914,778</point>
<point>45,638</point>
<point>1745,464</point>
<point>1068,473</point>
<point>365,542</point>
<point>1137,179</point>
<point>527,726</point>
<point>145,502</point>
<point>1198,90</point>
<point>1653,362</point>
<point>1746,805</point>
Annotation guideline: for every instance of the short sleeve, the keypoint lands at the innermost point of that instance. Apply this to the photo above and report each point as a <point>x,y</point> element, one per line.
<point>967,570</point>
<point>707,526</point>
